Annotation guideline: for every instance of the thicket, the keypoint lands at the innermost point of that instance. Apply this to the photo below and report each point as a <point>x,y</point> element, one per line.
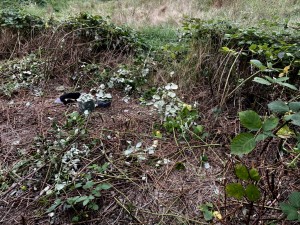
<point>259,66</point>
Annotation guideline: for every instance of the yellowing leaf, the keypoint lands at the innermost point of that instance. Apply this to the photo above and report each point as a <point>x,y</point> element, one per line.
<point>281,75</point>
<point>217,215</point>
<point>286,69</point>
<point>285,132</point>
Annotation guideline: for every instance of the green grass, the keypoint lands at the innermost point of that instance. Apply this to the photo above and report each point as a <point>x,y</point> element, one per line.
<point>157,36</point>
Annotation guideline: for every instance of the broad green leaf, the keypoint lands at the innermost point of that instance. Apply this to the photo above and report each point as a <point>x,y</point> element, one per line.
<point>294,199</point>
<point>261,81</point>
<point>252,193</point>
<point>262,137</point>
<point>270,123</point>
<point>241,172</point>
<point>88,185</point>
<point>250,120</point>
<point>258,64</point>
<point>295,119</point>
<point>278,107</point>
<point>235,190</point>
<point>243,144</point>
<point>105,186</point>
<point>198,129</point>
<point>290,211</point>
<point>294,106</point>
<point>85,202</point>
<point>208,215</point>
<point>254,175</point>
<point>94,206</point>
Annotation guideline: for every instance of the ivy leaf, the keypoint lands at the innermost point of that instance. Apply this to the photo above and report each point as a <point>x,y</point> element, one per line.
<point>235,190</point>
<point>254,175</point>
<point>278,107</point>
<point>241,172</point>
<point>252,193</point>
<point>250,120</point>
<point>243,144</point>
<point>270,123</point>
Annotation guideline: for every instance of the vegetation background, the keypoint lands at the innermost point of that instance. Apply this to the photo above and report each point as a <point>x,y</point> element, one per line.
<point>203,119</point>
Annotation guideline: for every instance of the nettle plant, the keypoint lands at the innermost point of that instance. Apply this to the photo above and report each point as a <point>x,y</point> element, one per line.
<point>275,126</point>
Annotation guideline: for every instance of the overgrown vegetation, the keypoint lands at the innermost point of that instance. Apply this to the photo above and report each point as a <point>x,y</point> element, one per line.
<point>202,124</point>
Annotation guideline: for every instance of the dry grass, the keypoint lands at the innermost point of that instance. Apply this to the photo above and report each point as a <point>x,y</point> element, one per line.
<point>138,13</point>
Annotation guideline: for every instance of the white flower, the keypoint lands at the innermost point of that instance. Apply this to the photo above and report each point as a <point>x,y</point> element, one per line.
<point>171,86</point>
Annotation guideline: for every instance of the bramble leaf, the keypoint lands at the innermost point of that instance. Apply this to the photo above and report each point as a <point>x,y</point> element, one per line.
<point>235,190</point>
<point>252,193</point>
<point>254,175</point>
<point>270,123</point>
<point>241,172</point>
<point>242,144</point>
<point>250,120</point>
<point>278,107</point>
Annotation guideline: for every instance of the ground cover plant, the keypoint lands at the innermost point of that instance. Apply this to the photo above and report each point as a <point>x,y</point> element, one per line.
<point>203,126</point>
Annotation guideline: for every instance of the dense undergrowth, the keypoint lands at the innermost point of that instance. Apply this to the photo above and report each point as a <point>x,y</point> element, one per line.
<point>76,168</point>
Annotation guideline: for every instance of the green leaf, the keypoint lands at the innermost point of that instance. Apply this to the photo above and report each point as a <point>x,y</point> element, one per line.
<point>94,207</point>
<point>278,107</point>
<point>198,129</point>
<point>241,172</point>
<point>294,106</point>
<point>105,186</point>
<point>261,81</point>
<point>243,144</point>
<point>179,166</point>
<point>258,64</point>
<point>56,203</point>
<point>295,119</point>
<point>235,190</point>
<point>290,211</point>
<point>85,202</point>
<point>293,87</point>
<point>294,199</point>
<point>252,193</point>
<point>88,185</point>
<point>208,215</point>
<point>250,120</point>
<point>262,137</point>
<point>270,123</point>
<point>254,175</point>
